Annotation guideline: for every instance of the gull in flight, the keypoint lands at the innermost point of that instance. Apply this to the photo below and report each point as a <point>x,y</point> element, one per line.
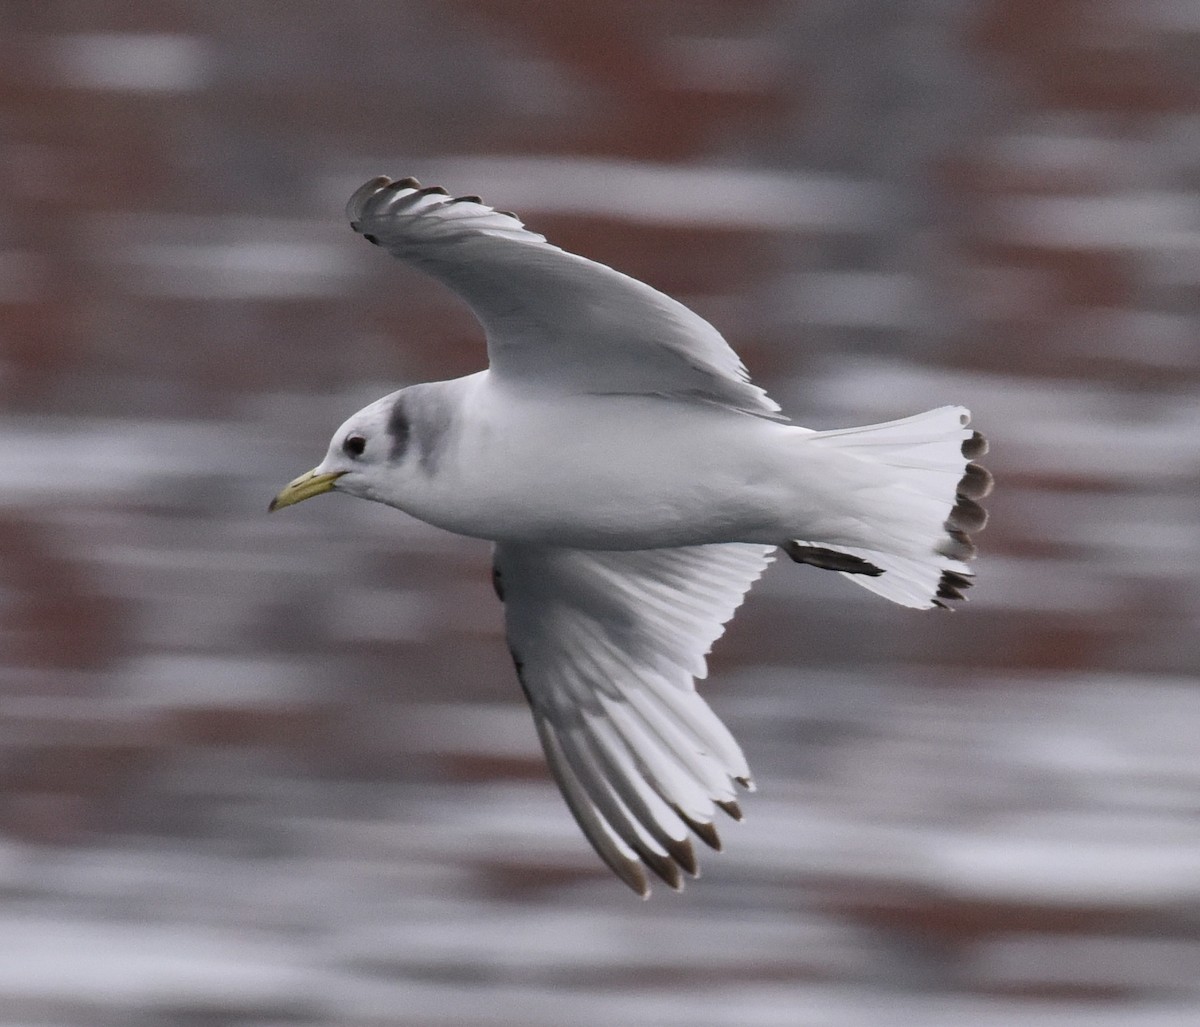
<point>635,483</point>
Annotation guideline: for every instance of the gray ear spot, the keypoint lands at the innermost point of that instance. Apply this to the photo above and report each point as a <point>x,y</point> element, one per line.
<point>398,428</point>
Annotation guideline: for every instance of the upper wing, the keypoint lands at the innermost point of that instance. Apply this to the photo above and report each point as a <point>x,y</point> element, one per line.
<point>552,318</point>
<point>606,645</point>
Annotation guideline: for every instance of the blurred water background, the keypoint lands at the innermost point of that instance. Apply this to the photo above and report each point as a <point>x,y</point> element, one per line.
<point>266,771</point>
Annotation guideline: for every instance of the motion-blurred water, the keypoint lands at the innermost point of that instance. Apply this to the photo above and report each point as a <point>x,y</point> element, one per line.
<point>277,771</point>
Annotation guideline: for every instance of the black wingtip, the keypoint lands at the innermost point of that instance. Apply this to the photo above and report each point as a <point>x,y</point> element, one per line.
<point>975,446</point>
<point>730,807</point>
<point>682,852</point>
<point>966,516</point>
<point>707,833</point>
<point>977,482</point>
<point>382,193</point>
<point>830,559</point>
<point>665,867</point>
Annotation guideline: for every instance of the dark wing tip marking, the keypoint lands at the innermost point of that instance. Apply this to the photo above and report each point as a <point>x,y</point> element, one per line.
<point>975,446</point>
<point>955,580</point>
<point>632,873</point>
<point>966,516</point>
<point>383,189</point>
<point>682,852</point>
<point>830,559</point>
<point>731,807</point>
<point>948,591</point>
<point>958,545</point>
<point>977,482</point>
<point>664,866</point>
<point>707,833</point>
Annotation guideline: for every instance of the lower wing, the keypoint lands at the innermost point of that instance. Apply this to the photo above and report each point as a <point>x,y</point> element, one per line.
<point>607,646</point>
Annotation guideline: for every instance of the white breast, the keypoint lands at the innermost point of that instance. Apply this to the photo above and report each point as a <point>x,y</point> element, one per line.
<point>605,472</point>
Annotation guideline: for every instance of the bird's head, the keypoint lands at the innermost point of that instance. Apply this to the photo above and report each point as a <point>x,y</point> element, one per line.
<point>371,442</point>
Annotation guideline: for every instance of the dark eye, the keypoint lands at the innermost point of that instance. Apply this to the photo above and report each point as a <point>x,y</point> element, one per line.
<point>354,445</point>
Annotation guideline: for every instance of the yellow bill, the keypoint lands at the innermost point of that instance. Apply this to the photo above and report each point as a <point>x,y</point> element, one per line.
<point>305,487</point>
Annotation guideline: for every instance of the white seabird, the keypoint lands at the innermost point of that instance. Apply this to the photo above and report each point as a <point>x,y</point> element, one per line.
<point>635,484</point>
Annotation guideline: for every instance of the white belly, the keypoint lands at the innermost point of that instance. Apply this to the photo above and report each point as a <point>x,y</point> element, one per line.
<point>608,472</point>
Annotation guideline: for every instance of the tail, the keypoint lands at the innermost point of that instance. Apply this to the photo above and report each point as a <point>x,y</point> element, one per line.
<point>907,492</point>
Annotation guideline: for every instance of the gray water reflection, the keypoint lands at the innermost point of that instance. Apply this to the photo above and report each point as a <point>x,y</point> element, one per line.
<point>277,770</point>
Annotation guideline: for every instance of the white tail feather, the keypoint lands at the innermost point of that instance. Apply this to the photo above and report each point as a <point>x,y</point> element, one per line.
<point>915,503</point>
